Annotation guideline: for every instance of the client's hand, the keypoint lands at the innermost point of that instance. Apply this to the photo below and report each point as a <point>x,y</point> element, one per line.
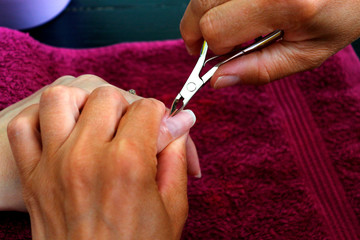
<point>10,187</point>
<point>99,174</point>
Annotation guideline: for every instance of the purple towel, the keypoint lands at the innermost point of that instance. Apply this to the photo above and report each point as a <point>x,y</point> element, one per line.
<point>280,161</point>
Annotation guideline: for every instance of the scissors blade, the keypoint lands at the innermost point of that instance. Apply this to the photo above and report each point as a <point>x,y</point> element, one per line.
<point>192,85</point>
<point>174,106</point>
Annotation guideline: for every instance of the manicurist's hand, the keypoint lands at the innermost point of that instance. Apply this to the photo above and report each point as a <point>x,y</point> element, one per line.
<point>91,166</point>
<point>314,30</point>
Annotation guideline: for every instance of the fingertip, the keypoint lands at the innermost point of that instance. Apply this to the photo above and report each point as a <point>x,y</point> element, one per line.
<point>191,117</point>
<point>190,31</point>
<point>198,175</point>
<point>194,47</point>
<point>192,159</point>
<point>189,50</point>
<point>181,123</point>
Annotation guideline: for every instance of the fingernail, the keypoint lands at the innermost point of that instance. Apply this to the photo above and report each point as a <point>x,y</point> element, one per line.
<point>226,81</point>
<point>179,124</point>
<point>198,175</point>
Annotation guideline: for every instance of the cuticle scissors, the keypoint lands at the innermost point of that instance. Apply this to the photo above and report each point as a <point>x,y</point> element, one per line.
<point>194,83</point>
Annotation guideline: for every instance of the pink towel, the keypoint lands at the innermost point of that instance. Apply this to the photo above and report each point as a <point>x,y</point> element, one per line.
<point>280,161</point>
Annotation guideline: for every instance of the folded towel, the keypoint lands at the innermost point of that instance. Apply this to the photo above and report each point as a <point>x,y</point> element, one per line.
<point>280,161</point>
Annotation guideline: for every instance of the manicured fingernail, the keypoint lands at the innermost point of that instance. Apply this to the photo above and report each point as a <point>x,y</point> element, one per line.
<point>198,175</point>
<point>226,81</point>
<point>179,124</point>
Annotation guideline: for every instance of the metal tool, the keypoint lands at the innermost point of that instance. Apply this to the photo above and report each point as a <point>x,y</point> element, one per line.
<point>195,82</point>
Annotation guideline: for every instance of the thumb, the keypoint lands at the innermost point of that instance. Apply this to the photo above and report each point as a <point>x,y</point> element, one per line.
<point>172,128</point>
<point>172,181</point>
<point>271,63</point>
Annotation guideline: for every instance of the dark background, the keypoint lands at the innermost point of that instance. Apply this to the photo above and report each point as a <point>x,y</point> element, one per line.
<point>94,23</point>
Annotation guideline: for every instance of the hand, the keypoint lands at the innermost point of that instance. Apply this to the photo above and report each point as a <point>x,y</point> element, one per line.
<point>100,176</point>
<point>314,30</point>
<point>10,186</point>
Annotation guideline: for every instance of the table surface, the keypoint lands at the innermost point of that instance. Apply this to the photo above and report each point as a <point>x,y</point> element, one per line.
<point>94,23</point>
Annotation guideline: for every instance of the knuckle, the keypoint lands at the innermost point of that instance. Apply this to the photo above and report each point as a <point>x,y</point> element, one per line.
<point>55,93</point>
<point>303,10</point>
<point>64,80</point>
<point>151,104</point>
<point>201,6</point>
<point>261,72</point>
<point>129,162</point>
<point>89,78</point>
<point>307,59</point>
<point>186,34</point>
<point>111,94</point>
<point>128,145</point>
<point>313,62</point>
<point>208,27</point>
<point>16,126</point>
<point>107,92</point>
<point>264,75</point>
<point>159,106</point>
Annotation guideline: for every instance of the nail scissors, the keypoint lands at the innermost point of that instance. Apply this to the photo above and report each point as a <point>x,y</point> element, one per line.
<point>195,82</point>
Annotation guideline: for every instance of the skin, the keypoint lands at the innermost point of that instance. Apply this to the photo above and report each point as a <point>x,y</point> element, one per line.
<point>70,157</point>
<point>99,176</point>
<point>314,30</point>
<point>10,186</point>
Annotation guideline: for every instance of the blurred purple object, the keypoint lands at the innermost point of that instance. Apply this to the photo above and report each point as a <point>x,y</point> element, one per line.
<point>23,14</point>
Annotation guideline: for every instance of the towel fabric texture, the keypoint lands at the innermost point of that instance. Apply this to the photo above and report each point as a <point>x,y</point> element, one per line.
<point>280,161</point>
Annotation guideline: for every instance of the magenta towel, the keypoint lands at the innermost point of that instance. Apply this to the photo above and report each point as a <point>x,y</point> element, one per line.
<point>280,161</point>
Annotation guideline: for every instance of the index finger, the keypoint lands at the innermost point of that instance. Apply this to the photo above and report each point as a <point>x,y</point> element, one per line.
<point>190,23</point>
